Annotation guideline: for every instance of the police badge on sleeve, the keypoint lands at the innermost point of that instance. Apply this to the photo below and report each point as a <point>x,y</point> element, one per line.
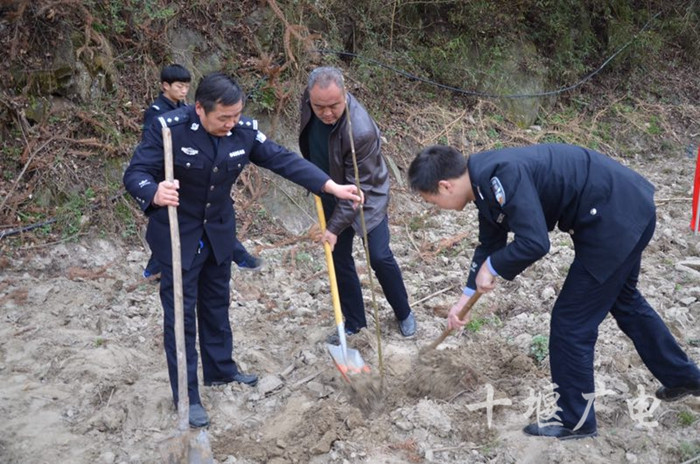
<point>498,191</point>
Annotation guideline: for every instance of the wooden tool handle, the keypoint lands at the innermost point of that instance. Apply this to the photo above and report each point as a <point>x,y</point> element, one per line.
<point>461,315</point>
<point>183,399</point>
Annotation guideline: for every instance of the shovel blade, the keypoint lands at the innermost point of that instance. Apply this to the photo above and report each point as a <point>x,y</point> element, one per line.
<point>349,363</point>
<point>189,447</point>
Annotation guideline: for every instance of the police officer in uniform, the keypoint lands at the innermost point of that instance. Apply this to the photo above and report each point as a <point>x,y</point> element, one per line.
<point>212,143</point>
<point>609,211</point>
<point>175,83</point>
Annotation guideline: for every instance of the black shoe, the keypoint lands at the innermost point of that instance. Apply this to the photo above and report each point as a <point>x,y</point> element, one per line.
<point>250,263</point>
<point>557,431</point>
<point>676,393</point>
<point>334,339</point>
<point>198,416</point>
<point>408,326</point>
<point>248,379</point>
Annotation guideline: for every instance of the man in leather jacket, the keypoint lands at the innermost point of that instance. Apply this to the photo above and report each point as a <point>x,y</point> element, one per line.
<point>324,140</point>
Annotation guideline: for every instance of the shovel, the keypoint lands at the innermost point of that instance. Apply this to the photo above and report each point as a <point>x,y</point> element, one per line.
<point>347,360</point>
<point>460,315</point>
<point>185,446</point>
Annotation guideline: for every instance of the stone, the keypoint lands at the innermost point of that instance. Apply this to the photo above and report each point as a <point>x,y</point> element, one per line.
<point>324,443</point>
<point>269,384</point>
<point>107,457</point>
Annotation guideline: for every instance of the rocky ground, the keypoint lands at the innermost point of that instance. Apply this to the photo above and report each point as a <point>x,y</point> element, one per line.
<point>84,378</point>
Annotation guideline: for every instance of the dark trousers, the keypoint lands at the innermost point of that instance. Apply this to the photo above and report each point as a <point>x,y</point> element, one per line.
<point>239,252</point>
<point>239,255</point>
<point>580,308</point>
<point>206,290</point>
<point>382,262</point>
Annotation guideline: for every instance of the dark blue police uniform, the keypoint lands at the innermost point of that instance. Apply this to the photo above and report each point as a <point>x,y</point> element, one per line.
<point>206,168</point>
<point>609,211</point>
<point>160,105</point>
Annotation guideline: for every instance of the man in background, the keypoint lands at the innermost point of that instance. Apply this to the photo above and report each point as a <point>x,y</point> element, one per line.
<point>174,85</point>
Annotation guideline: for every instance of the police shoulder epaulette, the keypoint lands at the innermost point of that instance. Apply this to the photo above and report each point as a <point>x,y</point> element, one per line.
<point>173,118</point>
<point>248,123</point>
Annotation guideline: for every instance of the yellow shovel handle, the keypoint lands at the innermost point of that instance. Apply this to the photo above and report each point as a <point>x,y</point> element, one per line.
<point>329,263</point>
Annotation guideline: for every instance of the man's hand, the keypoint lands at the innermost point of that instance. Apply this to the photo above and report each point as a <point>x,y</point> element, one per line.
<point>167,195</point>
<point>344,192</point>
<point>453,321</point>
<point>485,281</point>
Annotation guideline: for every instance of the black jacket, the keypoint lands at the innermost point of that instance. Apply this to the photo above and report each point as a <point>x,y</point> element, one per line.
<point>604,205</point>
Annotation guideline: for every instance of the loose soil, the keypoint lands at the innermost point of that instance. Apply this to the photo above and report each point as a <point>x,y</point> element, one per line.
<point>84,377</point>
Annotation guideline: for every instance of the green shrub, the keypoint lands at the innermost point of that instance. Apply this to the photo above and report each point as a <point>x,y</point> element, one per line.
<point>539,348</point>
<point>686,418</point>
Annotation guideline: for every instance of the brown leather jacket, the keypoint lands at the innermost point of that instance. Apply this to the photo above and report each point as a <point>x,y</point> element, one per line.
<point>373,173</point>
